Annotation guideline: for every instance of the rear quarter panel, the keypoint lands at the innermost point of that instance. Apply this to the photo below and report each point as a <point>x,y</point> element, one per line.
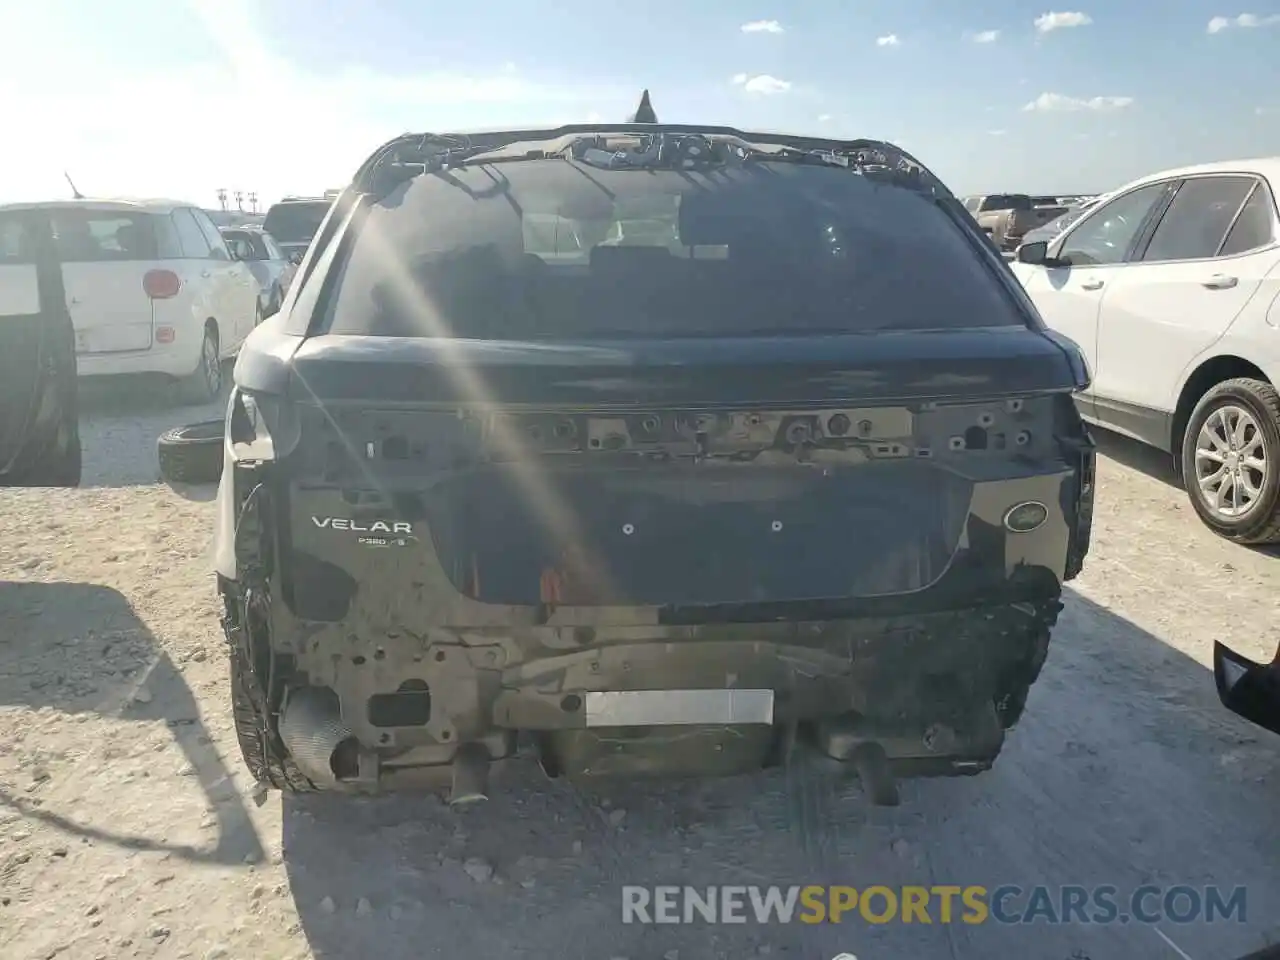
<point>1252,335</point>
<point>195,303</point>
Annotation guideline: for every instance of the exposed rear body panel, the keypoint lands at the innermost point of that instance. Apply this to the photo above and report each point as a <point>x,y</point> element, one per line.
<point>664,471</point>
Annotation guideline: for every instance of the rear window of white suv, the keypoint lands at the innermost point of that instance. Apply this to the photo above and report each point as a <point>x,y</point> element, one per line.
<point>88,236</point>
<point>548,249</point>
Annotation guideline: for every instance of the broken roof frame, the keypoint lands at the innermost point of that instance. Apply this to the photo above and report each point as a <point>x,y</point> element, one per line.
<point>419,152</point>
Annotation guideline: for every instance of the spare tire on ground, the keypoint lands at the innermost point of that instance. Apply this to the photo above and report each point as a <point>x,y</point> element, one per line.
<point>192,454</point>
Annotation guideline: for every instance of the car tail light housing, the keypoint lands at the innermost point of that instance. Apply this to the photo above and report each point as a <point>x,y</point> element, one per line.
<point>161,284</point>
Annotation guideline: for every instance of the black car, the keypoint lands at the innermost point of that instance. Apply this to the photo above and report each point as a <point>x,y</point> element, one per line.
<point>39,426</point>
<point>646,449</point>
<point>294,221</point>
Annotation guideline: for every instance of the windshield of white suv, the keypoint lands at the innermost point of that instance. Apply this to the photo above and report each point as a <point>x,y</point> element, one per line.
<point>772,250</point>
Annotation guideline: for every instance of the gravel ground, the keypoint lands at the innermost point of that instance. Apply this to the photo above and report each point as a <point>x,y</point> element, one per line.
<point>128,827</point>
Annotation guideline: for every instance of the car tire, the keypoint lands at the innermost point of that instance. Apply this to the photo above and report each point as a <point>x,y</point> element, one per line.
<point>265,757</point>
<point>247,720</point>
<point>1240,419</point>
<point>266,762</point>
<point>192,454</point>
<point>204,384</point>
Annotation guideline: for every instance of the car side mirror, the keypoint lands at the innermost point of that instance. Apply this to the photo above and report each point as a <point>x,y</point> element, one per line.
<point>1035,253</point>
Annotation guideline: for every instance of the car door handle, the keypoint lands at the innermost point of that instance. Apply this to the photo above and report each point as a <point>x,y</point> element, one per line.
<point>1220,281</point>
<point>1091,285</point>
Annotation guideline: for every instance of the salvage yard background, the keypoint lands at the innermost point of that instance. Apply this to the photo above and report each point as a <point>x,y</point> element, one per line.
<point>128,826</point>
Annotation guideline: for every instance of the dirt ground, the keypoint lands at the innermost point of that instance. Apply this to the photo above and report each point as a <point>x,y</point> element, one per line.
<point>129,828</point>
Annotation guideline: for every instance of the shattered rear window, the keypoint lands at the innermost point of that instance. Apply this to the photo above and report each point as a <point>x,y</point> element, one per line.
<point>546,249</point>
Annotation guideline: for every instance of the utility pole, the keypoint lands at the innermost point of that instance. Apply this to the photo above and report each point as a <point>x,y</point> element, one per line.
<point>222,198</point>
<point>253,201</point>
<point>239,201</point>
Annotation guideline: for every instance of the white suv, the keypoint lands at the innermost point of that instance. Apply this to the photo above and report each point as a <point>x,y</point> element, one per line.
<point>1171,287</point>
<point>151,288</point>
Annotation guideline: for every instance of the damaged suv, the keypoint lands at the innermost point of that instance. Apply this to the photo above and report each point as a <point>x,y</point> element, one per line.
<point>644,449</point>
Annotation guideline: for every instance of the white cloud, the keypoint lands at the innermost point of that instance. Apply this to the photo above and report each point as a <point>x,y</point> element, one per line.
<point>888,41</point>
<point>985,36</point>
<point>997,133</point>
<point>824,118</point>
<point>124,128</point>
<point>762,26</point>
<point>1060,103</point>
<point>1048,22</point>
<point>762,84</point>
<point>1246,21</point>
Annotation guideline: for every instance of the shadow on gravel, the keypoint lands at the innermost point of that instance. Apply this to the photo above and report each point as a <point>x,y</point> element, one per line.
<point>79,648</point>
<point>120,423</point>
<point>135,396</point>
<point>1156,464</point>
<point>1124,771</point>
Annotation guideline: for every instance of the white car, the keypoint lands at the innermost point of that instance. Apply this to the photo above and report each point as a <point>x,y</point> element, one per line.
<point>1171,288</point>
<point>151,288</point>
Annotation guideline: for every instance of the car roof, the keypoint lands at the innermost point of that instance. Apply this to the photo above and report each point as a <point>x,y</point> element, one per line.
<point>139,205</point>
<point>1266,167</point>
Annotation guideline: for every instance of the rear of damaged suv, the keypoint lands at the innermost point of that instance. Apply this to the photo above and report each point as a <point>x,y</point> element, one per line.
<point>645,452</point>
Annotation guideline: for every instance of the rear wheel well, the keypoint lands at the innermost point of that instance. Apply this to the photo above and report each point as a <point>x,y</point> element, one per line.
<point>1205,377</point>
<point>211,325</point>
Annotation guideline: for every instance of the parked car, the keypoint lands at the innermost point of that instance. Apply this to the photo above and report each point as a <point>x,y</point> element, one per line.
<point>294,221</point>
<point>491,482</point>
<point>1006,217</point>
<point>151,289</point>
<point>1056,226</point>
<point>39,425</point>
<point>1170,285</point>
<point>270,265</point>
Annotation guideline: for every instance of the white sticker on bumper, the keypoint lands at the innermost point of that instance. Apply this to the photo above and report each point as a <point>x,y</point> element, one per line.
<point>651,708</point>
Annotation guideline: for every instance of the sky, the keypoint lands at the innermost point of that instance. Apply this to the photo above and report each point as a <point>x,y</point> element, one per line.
<point>177,98</point>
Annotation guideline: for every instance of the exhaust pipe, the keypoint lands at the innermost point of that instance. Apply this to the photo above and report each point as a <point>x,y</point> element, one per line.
<point>470,775</point>
<point>322,746</point>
